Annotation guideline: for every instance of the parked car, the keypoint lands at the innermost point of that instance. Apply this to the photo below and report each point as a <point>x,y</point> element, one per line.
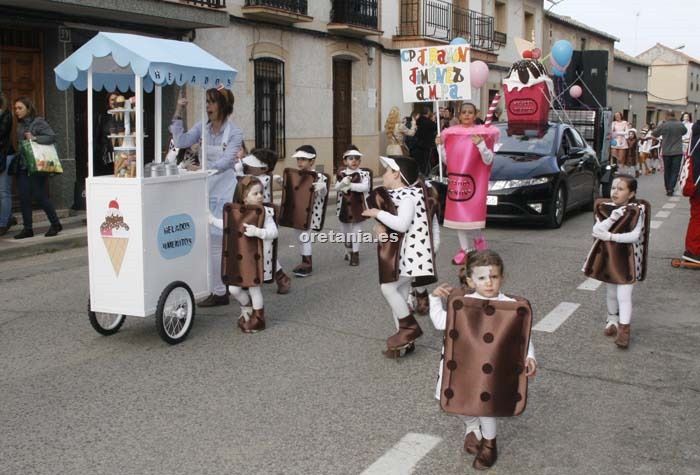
<point>540,174</point>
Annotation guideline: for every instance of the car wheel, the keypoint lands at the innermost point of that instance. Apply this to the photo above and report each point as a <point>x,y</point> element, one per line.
<point>558,208</point>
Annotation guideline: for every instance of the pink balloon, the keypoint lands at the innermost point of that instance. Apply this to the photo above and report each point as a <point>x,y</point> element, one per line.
<point>576,92</point>
<point>478,73</point>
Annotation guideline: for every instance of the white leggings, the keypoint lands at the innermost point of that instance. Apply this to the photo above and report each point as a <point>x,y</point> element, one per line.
<point>304,247</point>
<point>245,297</point>
<point>467,237</point>
<point>354,229</point>
<point>620,301</point>
<point>487,424</point>
<point>396,295</point>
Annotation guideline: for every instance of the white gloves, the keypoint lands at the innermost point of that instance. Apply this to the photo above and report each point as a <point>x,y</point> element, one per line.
<point>345,184</point>
<point>617,213</point>
<point>602,234</point>
<point>319,187</point>
<point>278,179</point>
<point>254,231</point>
<point>216,222</point>
<point>238,168</point>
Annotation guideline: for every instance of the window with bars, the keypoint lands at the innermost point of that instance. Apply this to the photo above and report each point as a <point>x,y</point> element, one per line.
<point>269,105</point>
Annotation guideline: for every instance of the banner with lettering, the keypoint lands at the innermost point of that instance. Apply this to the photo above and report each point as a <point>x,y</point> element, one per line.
<point>436,73</point>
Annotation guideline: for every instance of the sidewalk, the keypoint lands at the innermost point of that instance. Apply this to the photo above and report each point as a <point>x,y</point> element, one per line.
<point>74,232</point>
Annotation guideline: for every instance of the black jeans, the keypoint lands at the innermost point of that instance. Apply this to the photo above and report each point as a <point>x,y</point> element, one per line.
<point>422,157</point>
<point>672,168</point>
<point>34,186</point>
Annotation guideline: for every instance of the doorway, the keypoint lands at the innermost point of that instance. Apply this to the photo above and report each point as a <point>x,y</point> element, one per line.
<point>342,109</point>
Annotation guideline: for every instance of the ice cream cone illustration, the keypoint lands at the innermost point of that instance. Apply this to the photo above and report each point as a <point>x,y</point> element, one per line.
<point>115,235</point>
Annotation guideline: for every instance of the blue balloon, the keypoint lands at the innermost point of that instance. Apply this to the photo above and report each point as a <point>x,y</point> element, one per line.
<point>558,72</point>
<point>562,51</point>
<point>458,41</point>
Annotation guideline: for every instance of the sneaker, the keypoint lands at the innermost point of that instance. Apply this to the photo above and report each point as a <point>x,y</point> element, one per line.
<point>25,233</point>
<point>459,258</point>
<point>687,256</point>
<point>53,230</point>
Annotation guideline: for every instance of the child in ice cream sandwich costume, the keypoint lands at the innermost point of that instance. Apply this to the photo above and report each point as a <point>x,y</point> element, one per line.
<point>468,155</point>
<point>249,193</point>
<point>486,333</point>
<point>304,208</point>
<point>619,254</point>
<point>260,163</point>
<point>353,184</point>
<point>400,209</point>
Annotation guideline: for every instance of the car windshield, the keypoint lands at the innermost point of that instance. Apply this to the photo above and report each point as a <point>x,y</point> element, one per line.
<point>526,141</point>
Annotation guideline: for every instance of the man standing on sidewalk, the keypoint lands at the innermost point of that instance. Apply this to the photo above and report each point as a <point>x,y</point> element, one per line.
<point>671,148</point>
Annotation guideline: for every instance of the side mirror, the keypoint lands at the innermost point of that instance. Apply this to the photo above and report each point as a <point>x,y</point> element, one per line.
<point>576,152</point>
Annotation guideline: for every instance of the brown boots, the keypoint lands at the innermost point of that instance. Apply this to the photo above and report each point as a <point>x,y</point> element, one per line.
<point>283,282</point>
<point>354,258</point>
<point>305,268</point>
<point>255,323</point>
<point>623,336</point>
<point>487,454</point>
<point>422,304</point>
<point>471,443</point>
<point>409,331</point>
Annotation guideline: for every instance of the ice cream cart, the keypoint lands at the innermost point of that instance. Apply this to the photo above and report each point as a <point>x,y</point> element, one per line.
<point>147,233</point>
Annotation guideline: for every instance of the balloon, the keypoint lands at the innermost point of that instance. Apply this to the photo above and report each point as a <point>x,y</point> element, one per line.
<point>562,51</point>
<point>478,73</point>
<point>458,41</point>
<point>558,72</point>
<point>575,92</point>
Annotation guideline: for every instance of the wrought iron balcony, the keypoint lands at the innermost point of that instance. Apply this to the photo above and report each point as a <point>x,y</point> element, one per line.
<point>442,21</point>
<point>361,13</point>
<point>279,11</point>
<point>207,3</point>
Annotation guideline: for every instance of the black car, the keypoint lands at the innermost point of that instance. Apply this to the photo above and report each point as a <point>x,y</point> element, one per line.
<point>539,174</point>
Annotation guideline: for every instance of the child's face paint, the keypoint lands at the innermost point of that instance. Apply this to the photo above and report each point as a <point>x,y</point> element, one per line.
<point>304,164</point>
<point>620,193</point>
<point>486,281</point>
<point>254,196</point>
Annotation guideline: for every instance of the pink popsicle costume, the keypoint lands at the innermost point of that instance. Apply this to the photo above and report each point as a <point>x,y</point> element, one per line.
<point>468,176</point>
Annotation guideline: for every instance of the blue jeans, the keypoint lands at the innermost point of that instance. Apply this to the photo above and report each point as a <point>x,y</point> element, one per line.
<point>5,193</point>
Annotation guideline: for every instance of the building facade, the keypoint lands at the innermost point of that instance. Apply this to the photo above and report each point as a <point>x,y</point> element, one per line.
<point>37,35</point>
<point>674,82</point>
<point>628,88</point>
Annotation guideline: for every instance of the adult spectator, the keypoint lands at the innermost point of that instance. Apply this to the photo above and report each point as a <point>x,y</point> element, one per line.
<point>672,131</point>
<point>692,190</point>
<point>6,157</point>
<point>396,132</point>
<point>34,128</point>
<point>103,152</point>
<point>425,141</point>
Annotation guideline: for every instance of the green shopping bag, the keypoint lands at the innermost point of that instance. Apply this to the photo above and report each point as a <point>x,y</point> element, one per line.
<point>41,159</point>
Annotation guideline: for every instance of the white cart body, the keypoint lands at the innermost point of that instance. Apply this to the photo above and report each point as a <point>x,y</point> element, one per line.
<point>167,241</point>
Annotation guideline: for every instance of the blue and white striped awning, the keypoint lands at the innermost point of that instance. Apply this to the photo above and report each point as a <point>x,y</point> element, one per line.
<point>116,57</point>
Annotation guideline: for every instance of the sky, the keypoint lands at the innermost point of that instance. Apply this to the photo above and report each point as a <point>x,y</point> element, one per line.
<point>670,22</point>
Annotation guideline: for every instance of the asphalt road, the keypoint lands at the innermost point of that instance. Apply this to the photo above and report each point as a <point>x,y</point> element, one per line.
<point>313,394</point>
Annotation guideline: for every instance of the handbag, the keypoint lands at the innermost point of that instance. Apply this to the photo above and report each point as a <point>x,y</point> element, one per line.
<point>41,159</point>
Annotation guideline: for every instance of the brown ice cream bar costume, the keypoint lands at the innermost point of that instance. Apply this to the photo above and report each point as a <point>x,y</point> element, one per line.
<point>412,256</point>
<point>349,206</point>
<point>485,349</point>
<point>301,207</point>
<point>247,261</point>
<point>615,262</point>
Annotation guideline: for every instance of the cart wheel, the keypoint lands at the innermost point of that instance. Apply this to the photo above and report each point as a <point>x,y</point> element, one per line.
<point>105,323</point>
<point>175,312</point>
